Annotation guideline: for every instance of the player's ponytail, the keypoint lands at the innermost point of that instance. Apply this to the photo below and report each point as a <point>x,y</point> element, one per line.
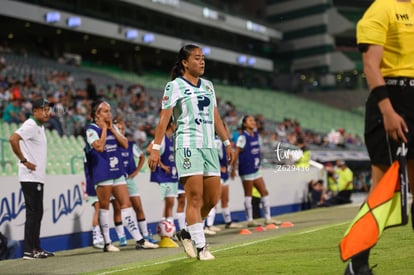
<point>243,121</point>
<point>178,68</point>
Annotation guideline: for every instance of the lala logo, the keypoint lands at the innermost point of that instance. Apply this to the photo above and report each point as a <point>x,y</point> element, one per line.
<point>65,204</point>
<point>10,208</point>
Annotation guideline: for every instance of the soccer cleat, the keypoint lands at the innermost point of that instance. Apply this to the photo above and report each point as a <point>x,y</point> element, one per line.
<point>144,244</point>
<point>151,240</point>
<point>98,244</point>
<point>364,270</point>
<point>110,248</point>
<point>204,255</point>
<point>208,231</point>
<point>232,225</point>
<point>270,221</point>
<point>214,228</point>
<point>252,224</point>
<point>185,239</point>
<point>123,241</point>
<point>34,255</point>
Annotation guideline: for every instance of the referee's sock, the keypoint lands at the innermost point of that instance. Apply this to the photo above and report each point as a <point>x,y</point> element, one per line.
<point>360,260</point>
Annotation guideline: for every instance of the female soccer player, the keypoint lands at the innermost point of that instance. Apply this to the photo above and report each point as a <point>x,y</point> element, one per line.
<point>191,100</point>
<point>248,155</point>
<point>107,173</point>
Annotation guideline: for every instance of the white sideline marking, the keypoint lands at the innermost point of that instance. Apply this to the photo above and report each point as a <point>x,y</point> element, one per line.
<point>228,248</point>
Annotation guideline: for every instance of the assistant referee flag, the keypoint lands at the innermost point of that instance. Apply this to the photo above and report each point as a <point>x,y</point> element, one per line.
<point>384,207</point>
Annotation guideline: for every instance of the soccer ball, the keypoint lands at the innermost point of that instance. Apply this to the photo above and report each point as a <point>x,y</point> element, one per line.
<point>166,229</point>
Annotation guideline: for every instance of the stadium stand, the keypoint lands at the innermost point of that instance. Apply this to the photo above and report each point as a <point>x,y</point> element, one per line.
<point>122,64</point>
<point>65,154</point>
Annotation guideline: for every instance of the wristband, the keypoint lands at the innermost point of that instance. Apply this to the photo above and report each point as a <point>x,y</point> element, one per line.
<point>380,93</point>
<point>156,147</point>
<point>226,142</point>
<point>23,161</point>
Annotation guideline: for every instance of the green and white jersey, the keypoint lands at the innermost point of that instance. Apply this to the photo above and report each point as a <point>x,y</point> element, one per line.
<point>193,112</point>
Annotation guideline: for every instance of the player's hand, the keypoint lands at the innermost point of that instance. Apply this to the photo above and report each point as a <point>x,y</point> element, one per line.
<point>30,166</point>
<point>230,154</point>
<point>110,125</point>
<point>395,126</point>
<point>154,159</point>
<point>166,169</point>
<point>101,123</point>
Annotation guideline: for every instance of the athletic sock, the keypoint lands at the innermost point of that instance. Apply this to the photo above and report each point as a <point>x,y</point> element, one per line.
<point>104,222</point>
<point>181,220</point>
<point>248,207</point>
<point>226,215</point>
<point>143,226</point>
<point>97,234</point>
<point>211,216</point>
<point>360,260</point>
<point>130,222</point>
<point>197,234</point>
<point>120,231</point>
<point>266,207</point>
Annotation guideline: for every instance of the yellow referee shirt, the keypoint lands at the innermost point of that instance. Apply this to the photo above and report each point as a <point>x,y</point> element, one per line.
<point>390,23</point>
<point>345,176</point>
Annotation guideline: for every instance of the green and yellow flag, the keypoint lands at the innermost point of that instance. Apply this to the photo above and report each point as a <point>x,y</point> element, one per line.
<point>384,207</point>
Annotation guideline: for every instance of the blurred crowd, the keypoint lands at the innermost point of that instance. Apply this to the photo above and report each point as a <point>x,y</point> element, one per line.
<point>133,104</point>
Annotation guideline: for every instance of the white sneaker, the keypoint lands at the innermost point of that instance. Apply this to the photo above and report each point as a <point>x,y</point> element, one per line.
<point>146,245</point>
<point>204,255</point>
<point>208,231</point>
<point>110,248</point>
<point>214,228</point>
<point>98,244</point>
<point>185,239</point>
<point>252,224</point>
<point>271,221</point>
<point>233,225</point>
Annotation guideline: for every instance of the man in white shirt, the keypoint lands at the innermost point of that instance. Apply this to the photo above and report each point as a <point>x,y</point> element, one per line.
<point>30,146</point>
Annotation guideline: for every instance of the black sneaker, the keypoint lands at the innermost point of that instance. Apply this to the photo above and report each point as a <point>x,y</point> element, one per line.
<point>33,255</point>
<point>45,252</point>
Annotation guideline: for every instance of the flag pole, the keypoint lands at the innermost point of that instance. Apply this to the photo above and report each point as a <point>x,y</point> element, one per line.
<point>401,155</point>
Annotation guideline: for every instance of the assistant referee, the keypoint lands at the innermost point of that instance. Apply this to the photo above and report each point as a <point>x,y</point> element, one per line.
<point>385,36</point>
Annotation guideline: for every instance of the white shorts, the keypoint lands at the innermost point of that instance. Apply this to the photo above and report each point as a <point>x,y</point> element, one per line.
<point>253,176</point>
<point>118,181</point>
<point>169,189</point>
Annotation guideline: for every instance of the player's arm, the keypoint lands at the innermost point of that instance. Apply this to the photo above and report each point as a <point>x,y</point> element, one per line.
<point>234,163</point>
<point>222,133</point>
<point>15,145</point>
<point>97,142</point>
<point>141,159</point>
<point>122,140</point>
<point>154,157</point>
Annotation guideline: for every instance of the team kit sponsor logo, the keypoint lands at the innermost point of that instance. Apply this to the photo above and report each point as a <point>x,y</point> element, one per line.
<point>187,155</point>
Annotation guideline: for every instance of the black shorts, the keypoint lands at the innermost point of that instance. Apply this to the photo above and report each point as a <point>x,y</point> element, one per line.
<point>381,149</point>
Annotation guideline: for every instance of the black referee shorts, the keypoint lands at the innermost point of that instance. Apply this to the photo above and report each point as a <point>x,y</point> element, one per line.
<point>381,149</point>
